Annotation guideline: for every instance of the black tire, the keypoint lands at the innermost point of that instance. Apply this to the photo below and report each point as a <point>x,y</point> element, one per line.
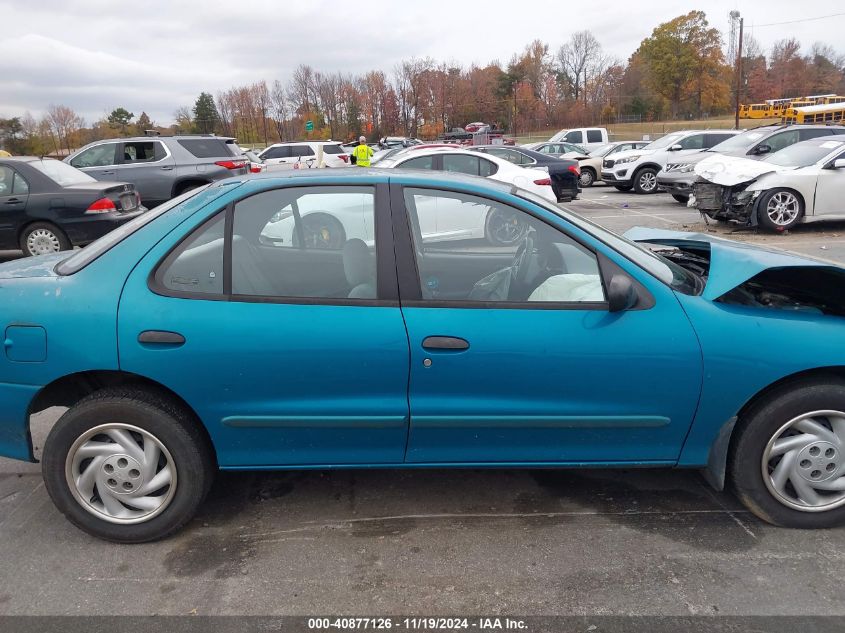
<point>50,234</point>
<point>645,181</point>
<point>186,186</point>
<point>760,425</point>
<point>155,414</point>
<point>624,187</point>
<point>764,218</point>
<point>680,198</point>
<point>588,177</point>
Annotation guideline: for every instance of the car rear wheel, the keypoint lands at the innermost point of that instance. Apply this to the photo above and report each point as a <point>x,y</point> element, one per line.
<point>127,466</point>
<point>787,462</point>
<point>680,198</point>
<point>780,209</point>
<point>587,177</point>
<point>42,238</point>
<point>624,187</point>
<point>645,180</point>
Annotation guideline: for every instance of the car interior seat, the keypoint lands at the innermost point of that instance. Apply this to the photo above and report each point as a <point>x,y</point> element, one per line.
<point>359,266</point>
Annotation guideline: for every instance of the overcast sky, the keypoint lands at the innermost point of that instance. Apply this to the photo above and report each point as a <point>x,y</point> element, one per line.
<point>157,55</point>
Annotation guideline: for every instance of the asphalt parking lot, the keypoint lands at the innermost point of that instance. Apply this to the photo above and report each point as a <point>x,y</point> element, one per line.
<point>529,542</point>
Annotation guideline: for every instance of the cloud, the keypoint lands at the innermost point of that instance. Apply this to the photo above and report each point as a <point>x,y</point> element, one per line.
<point>155,56</point>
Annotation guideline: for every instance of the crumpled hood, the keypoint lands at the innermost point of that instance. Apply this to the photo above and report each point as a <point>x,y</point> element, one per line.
<point>728,170</point>
<point>39,266</point>
<point>731,263</point>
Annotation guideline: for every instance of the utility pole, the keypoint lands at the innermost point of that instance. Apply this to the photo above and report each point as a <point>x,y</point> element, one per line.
<point>738,74</point>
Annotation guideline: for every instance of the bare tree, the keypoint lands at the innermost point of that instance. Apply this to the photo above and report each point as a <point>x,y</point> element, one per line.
<point>579,59</point>
<point>63,123</point>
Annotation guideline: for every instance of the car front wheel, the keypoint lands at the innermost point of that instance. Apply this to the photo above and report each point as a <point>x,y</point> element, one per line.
<point>126,466</point>
<point>623,187</point>
<point>787,462</point>
<point>780,209</point>
<point>587,177</point>
<point>645,180</point>
<point>680,198</point>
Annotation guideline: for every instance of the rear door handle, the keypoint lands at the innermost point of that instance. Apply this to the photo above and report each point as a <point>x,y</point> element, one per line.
<point>166,168</point>
<point>161,337</point>
<point>13,201</point>
<point>445,343</point>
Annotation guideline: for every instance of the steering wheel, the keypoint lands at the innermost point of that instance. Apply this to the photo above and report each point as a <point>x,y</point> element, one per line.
<point>524,265</point>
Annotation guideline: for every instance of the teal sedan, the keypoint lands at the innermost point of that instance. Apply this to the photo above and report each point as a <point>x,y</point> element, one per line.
<point>336,319</point>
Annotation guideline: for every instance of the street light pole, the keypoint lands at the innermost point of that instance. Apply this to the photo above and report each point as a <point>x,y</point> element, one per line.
<point>738,75</point>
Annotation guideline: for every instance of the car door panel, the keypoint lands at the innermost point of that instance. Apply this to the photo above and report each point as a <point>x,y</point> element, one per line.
<point>548,384</point>
<point>13,202</point>
<point>830,192</point>
<point>277,382</point>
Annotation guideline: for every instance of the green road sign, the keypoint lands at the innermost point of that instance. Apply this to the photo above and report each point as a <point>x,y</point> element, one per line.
<point>309,126</point>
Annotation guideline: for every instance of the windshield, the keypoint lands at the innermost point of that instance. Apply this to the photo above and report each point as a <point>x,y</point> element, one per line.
<point>803,154</point>
<point>670,273</point>
<point>601,150</point>
<point>61,173</point>
<point>666,141</point>
<point>80,259</point>
<point>739,142</point>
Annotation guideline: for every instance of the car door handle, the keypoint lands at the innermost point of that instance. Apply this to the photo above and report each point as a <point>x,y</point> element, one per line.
<point>110,172</point>
<point>161,337</point>
<point>452,343</point>
<point>166,168</point>
<point>14,201</point>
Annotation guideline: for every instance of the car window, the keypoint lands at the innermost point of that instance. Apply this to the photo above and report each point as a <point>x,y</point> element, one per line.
<point>101,155</point>
<point>196,266</point>
<point>472,249</point>
<point>7,177</point>
<point>276,152</point>
<point>575,136</point>
<point>301,150</point>
<point>61,173</point>
<point>20,186</point>
<point>461,164</point>
<point>778,141</point>
<point>696,141</point>
<point>305,242</point>
<point>594,136</point>
<point>714,139</point>
<point>332,148</point>
<point>139,152</point>
<point>487,167</point>
<point>814,133</point>
<point>421,162</point>
<point>206,147</point>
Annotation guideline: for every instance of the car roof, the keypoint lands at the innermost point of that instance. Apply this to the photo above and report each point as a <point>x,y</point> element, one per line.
<point>286,143</point>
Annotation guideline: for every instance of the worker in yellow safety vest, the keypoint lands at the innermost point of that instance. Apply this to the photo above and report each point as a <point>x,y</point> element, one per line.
<point>362,153</point>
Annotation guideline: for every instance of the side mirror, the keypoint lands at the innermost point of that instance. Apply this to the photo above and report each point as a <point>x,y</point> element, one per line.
<point>763,149</point>
<point>839,163</point>
<point>676,147</point>
<point>621,294</point>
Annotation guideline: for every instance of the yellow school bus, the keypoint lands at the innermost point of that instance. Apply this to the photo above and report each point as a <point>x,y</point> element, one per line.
<point>822,113</point>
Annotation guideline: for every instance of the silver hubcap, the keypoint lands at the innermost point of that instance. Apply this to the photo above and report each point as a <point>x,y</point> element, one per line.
<point>802,463</point>
<point>43,241</point>
<point>121,473</point>
<point>783,208</point>
<point>586,179</point>
<point>648,181</point>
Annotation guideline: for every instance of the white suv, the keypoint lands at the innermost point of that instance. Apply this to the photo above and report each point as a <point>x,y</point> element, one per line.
<point>637,168</point>
<point>304,155</point>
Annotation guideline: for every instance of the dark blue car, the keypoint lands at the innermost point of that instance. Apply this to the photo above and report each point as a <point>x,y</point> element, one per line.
<point>334,319</point>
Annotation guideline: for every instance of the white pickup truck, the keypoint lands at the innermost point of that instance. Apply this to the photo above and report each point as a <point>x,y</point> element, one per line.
<point>586,137</point>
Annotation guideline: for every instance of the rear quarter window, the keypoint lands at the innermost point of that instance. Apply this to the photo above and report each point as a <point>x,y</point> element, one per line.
<point>332,149</point>
<point>206,147</point>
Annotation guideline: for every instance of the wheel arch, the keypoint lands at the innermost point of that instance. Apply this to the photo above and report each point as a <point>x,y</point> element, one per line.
<point>721,449</point>
<point>179,184</point>
<point>71,388</point>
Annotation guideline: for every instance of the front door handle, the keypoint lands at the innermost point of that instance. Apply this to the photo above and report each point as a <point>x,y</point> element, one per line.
<point>161,337</point>
<point>449,343</point>
<point>13,201</point>
<point>166,168</point>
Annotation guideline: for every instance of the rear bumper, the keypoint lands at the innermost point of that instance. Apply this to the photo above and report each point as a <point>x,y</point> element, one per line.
<point>84,229</point>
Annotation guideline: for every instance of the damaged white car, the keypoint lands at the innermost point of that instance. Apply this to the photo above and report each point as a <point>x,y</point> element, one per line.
<point>803,182</point>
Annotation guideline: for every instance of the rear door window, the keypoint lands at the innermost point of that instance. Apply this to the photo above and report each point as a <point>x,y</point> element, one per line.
<point>139,152</point>
<point>276,152</point>
<point>421,162</point>
<point>301,150</point>
<point>205,147</point>
<point>594,136</point>
<point>575,136</point>
<point>693,142</point>
<point>461,164</point>
<point>814,133</point>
